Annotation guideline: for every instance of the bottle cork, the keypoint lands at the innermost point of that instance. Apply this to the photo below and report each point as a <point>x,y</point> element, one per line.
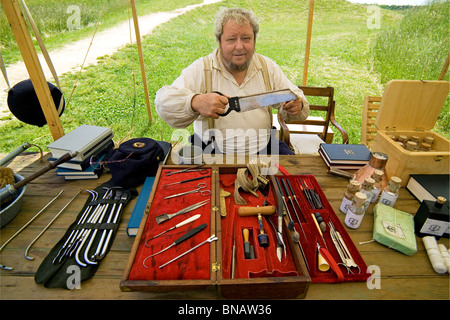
<point>360,198</point>
<point>440,202</point>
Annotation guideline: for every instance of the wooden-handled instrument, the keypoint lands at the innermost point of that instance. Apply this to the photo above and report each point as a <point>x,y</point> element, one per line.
<point>253,211</point>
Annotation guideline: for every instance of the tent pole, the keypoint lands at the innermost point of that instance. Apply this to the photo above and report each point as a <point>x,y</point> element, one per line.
<point>308,41</point>
<point>141,57</point>
<point>23,38</point>
<point>445,68</point>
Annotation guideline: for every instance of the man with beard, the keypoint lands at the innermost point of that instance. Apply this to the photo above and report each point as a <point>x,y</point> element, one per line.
<point>233,69</point>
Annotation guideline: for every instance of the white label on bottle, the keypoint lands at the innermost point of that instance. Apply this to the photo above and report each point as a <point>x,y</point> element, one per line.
<point>353,220</point>
<point>375,194</point>
<point>393,229</point>
<point>435,227</point>
<point>388,198</point>
<point>345,205</point>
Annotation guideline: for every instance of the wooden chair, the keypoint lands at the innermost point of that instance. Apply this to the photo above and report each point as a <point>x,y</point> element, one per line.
<point>369,115</point>
<point>314,124</point>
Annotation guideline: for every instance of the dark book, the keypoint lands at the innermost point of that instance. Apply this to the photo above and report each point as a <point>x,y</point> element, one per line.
<point>429,186</point>
<point>349,154</point>
<point>340,166</point>
<point>139,208</point>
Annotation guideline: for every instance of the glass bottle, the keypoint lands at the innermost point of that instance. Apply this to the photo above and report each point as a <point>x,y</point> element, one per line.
<point>402,138</point>
<point>390,194</point>
<point>415,139</point>
<point>411,146</point>
<point>428,140</point>
<point>349,194</point>
<point>377,186</point>
<point>355,212</point>
<point>367,188</point>
<point>425,146</point>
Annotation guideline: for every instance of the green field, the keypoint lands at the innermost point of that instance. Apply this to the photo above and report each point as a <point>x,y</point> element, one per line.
<point>346,53</point>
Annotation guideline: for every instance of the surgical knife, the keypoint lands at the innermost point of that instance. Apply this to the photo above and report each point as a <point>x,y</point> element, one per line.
<point>183,238</point>
<point>164,217</point>
<point>182,223</point>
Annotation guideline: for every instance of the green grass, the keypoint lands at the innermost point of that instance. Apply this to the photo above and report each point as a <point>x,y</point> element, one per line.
<point>343,55</point>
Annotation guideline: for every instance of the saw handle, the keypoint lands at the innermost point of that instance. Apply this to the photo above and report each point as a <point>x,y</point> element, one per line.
<point>253,211</point>
<point>232,102</point>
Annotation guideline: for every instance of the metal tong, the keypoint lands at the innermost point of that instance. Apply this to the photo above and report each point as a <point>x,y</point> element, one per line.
<point>165,217</point>
<point>341,247</point>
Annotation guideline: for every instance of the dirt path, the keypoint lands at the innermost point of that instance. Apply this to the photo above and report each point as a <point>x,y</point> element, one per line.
<point>70,57</point>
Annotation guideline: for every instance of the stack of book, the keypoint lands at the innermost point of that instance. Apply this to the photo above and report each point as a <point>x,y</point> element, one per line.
<point>91,143</point>
<point>344,156</point>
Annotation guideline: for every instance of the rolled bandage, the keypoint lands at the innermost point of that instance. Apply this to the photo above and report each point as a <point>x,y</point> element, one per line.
<point>445,255</point>
<point>436,259</point>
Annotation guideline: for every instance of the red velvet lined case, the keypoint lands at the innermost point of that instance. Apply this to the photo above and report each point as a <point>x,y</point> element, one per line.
<point>263,276</point>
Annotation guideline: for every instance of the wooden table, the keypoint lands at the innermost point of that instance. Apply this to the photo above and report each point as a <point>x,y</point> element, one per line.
<point>402,277</point>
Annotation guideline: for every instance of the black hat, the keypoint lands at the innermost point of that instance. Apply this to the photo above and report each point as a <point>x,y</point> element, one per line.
<point>24,104</point>
<point>134,160</point>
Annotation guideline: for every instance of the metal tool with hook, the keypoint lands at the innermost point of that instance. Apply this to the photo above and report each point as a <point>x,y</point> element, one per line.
<point>73,240</point>
<point>48,226</point>
<point>200,189</point>
<point>210,239</point>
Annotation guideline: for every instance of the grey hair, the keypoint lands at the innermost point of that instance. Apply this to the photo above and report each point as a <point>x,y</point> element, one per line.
<point>238,15</point>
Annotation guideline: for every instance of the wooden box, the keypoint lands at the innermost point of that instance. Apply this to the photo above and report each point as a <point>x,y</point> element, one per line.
<point>209,266</point>
<point>411,108</point>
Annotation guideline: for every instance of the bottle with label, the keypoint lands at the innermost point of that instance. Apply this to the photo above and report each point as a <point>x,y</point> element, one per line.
<point>349,194</point>
<point>390,194</point>
<point>367,188</point>
<point>377,186</point>
<point>355,212</point>
<point>431,219</point>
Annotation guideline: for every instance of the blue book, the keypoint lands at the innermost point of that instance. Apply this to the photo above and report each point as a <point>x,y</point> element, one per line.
<point>354,154</point>
<point>139,208</point>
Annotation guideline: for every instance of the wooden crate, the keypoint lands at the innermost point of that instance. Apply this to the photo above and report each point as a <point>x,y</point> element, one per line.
<point>214,269</point>
<point>411,108</point>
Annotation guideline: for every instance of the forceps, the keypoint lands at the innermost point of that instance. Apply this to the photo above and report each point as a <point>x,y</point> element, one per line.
<point>200,188</point>
<point>191,169</point>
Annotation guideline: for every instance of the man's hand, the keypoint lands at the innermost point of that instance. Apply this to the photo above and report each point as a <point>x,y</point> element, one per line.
<point>293,107</point>
<point>209,105</point>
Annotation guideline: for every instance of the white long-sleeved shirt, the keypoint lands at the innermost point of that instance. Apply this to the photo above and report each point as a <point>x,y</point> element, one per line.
<point>238,132</point>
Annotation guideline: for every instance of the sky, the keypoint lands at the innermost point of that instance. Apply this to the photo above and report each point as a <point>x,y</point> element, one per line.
<point>391,2</point>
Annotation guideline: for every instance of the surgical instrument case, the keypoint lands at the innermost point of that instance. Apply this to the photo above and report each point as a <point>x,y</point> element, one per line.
<point>222,265</point>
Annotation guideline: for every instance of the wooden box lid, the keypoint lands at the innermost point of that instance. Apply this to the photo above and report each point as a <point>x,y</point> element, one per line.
<point>411,104</point>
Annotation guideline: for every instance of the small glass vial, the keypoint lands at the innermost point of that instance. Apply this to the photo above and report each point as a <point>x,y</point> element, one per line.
<point>402,138</point>
<point>377,186</point>
<point>390,194</point>
<point>355,212</point>
<point>424,147</point>
<point>429,140</point>
<point>401,144</point>
<point>411,146</point>
<point>349,194</point>
<point>367,188</point>
<point>415,139</point>
<point>391,136</point>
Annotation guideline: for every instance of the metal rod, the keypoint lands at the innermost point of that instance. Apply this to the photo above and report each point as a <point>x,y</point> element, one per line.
<point>26,225</point>
<point>48,225</point>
